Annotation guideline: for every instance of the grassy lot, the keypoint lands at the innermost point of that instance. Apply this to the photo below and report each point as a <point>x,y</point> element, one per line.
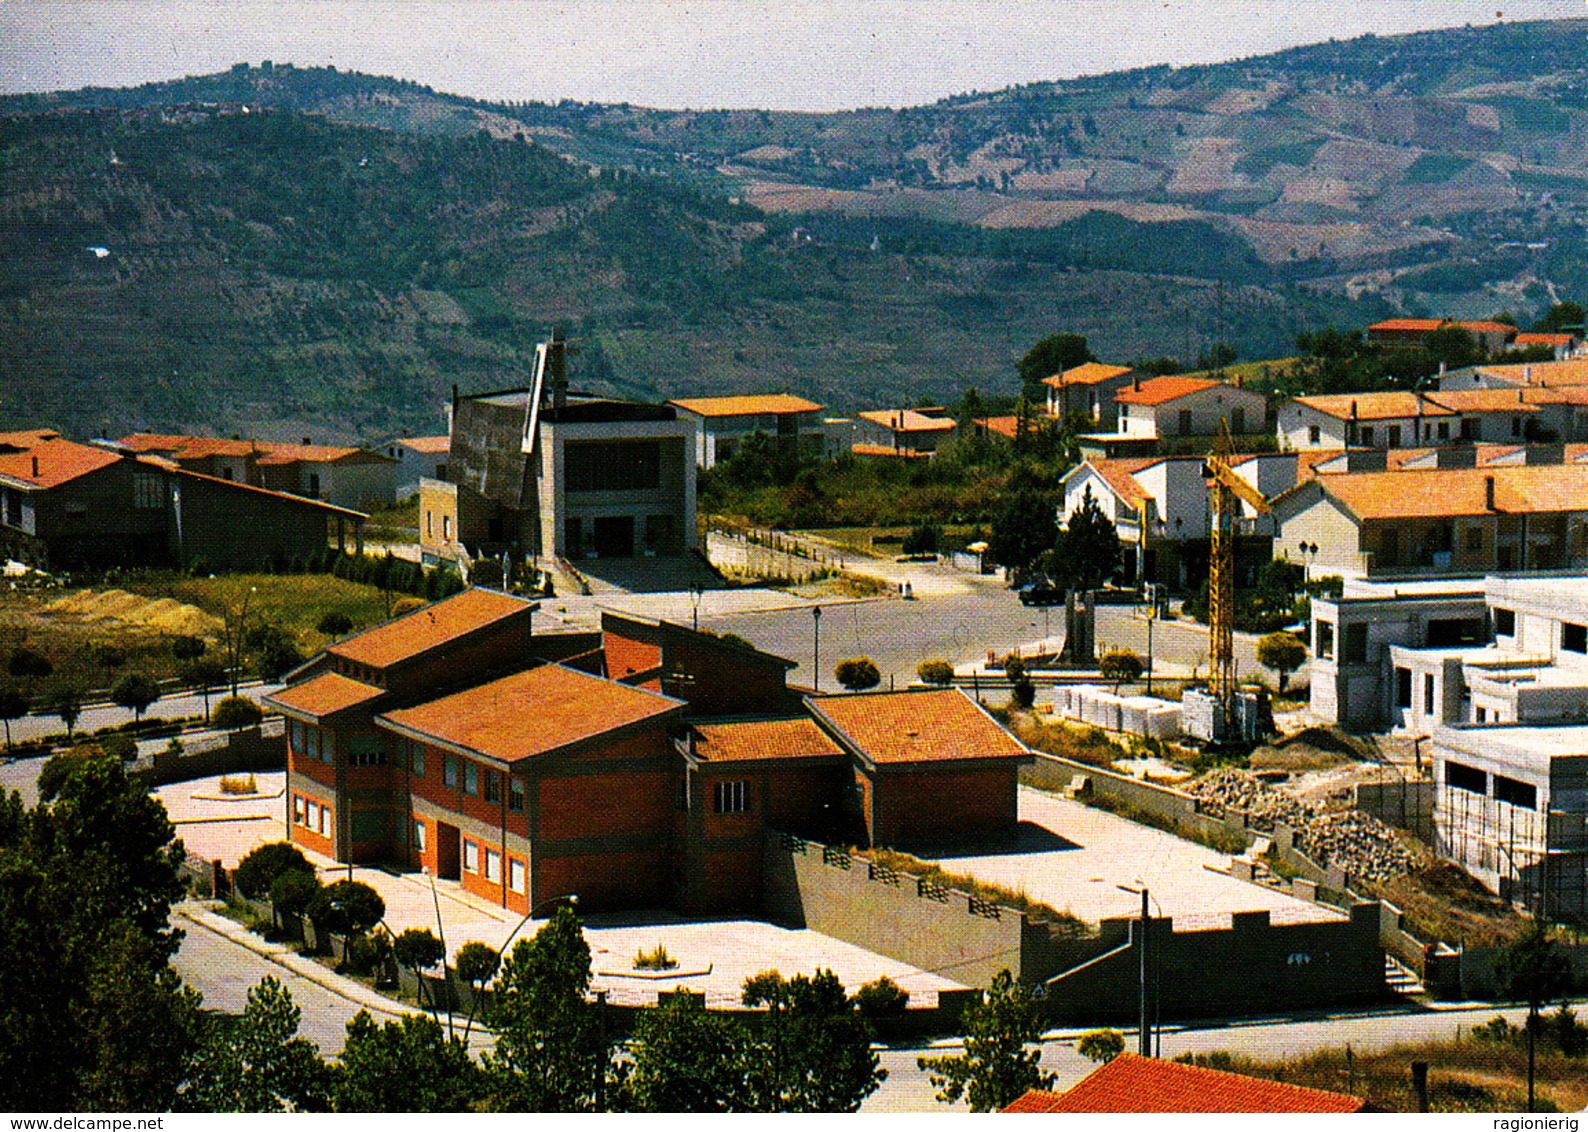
<point>1463,1076</point>
<point>293,602</point>
<point>886,541</point>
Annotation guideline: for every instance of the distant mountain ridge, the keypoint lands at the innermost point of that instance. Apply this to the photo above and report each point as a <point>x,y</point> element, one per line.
<point>337,262</point>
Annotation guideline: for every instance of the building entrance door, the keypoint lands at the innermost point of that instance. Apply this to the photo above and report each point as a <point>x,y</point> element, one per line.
<point>614,536</point>
<point>448,851</point>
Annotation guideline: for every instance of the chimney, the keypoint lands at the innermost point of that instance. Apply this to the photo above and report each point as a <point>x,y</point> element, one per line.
<point>1441,369</point>
<point>1488,492</point>
<point>557,367</point>
<point>1527,375</point>
<point>1135,383</point>
<point>307,441</point>
<point>1420,1084</point>
<point>1353,410</point>
<point>35,467</point>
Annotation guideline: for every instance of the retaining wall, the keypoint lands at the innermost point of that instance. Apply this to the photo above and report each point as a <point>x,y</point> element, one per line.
<point>254,749</point>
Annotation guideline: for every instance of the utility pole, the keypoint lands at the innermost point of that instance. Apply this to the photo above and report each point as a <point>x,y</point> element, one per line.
<point>816,647</point>
<point>1144,1039</point>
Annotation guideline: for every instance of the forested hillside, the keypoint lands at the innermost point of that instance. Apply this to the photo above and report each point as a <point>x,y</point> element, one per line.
<point>291,250</point>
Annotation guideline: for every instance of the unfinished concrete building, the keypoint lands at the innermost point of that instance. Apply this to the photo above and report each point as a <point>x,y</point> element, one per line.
<point>544,473</point>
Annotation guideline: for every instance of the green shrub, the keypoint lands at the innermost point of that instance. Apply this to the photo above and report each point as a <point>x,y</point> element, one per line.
<point>235,713</point>
<point>935,672</point>
<point>256,872</point>
<point>881,998</point>
<point>1101,1045</point>
<point>858,673</point>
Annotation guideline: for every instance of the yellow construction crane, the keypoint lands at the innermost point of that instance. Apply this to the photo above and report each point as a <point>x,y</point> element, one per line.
<point>1225,488</point>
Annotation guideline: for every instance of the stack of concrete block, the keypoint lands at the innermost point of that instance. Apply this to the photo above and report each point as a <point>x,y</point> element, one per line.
<point>1100,708</point>
<point>1150,716</point>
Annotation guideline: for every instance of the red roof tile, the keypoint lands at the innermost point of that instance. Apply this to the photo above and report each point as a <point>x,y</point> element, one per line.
<point>1120,474</point>
<point>532,713</point>
<point>747,405</point>
<point>430,627</point>
<point>323,695</point>
<point>312,454</point>
<point>913,727</point>
<point>430,445</point>
<point>1414,325</point>
<point>747,740</point>
<point>50,463</point>
<point>1433,493</point>
<point>1388,405</point>
<point>1132,1083</point>
<point>1002,426</point>
<point>1533,338</point>
<point>864,449</point>
<point>908,420</point>
<point>1162,390</point>
<point>1088,373</point>
<point>187,447</point>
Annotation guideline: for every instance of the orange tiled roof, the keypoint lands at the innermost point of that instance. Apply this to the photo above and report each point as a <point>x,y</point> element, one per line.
<point>532,713</point>
<point>1485,326</point>
<point>430,445</point>
<point>1495,400</point>
<point>58,461</point>
<point>430,627</point>
<point>913,727</point>
<point>1088,373</point>
<point>1120,474</point>
<point>1162,390</point>
<point>323,695</point>
<point>747,405</point>
<point>1416,325</point>
<point>1003,426</point>
<point>27,437</point>
<point>1429,493</point>
<point>1389,405</point>
<point>1536,338</point>
<point>1572,371</point>
<point>187,447</point>
<point>746,740</point>
<point>908,420</point>
<point>310,453</point>
<point>1132,1083</point>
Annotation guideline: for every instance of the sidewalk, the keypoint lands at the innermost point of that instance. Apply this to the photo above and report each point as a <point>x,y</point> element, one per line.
<point>282,955</point>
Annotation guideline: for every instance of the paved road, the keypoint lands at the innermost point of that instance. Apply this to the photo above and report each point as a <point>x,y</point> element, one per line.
<point>896,634</point>
<point>108,715</point>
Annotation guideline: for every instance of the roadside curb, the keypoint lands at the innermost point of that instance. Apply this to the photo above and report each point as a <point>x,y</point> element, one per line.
<point>283,956</point>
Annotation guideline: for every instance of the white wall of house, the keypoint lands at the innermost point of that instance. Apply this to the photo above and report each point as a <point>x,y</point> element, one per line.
<point>1319,521</point>
<point>1303,428</point>
<point>1197,414</point>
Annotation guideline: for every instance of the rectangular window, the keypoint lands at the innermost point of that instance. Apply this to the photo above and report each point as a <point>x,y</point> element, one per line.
<point>1428,693</point>
<point>516,875</point>
<point>1312,435</point>
<point>148,492</point>
<point>1573,638</point>
<point>1468,778</point>
<point>1355,646</point>
<point>312,742</point>
<point>311,816</point>
<point>471,857</point>
<point>471,779</point>
<point>295,730</point>
<point>449,771</point>
<point>1472,538</point>
<point>732,797</point>
<point>493,786</point>
<point>325,821</point>
<point>1442,430</point>
<point>1367,437</point>
<point>1185,422</point>
<point>1394,436</point>
<point>622,465</point>
<point>1403,687</point>
<point>1516,426</point>
<point>1504,622</point>
<point>416,759</point>
<point>297,809</point>
<point>1238,421</point>
<point>328,747</point>
<point>367,750</point>
<point>1522,794</point>
<point>493,865</point>
<point>515,795</point>
<point>1325,648</point>
<point>419,837</point>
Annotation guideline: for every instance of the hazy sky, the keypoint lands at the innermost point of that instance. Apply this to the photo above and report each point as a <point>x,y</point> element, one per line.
<point>798,54</point>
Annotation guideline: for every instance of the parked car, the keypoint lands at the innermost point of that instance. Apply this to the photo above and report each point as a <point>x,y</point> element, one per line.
<point>1040,594</point>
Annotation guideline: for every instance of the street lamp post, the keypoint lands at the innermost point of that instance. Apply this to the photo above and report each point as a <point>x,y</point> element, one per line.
<point>695,592</point>
<point>816,647</point>
<point>1144,1039</point>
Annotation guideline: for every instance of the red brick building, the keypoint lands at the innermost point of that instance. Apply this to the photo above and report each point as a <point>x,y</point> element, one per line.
<point>639,767</point>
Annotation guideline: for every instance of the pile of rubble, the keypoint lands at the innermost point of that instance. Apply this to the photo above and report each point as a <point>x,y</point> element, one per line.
<point>1228,788</point>
<point>1359,843</point>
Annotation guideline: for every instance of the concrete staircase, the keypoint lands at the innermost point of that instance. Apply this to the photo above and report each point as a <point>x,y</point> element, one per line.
<point>1400,978</point>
